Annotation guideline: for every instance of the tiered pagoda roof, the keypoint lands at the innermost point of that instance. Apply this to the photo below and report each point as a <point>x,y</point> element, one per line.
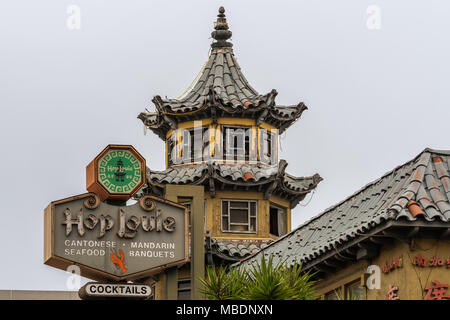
<point>214,176</point>
<point>220,91</point>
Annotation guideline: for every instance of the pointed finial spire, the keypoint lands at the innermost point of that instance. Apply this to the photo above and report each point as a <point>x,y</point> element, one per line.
<point>222,33</point>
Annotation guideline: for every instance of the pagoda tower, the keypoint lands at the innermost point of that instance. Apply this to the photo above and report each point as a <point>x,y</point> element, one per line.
<point>222,134</point>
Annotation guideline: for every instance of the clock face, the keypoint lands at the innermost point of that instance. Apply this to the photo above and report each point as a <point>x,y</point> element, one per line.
<point>119,171</point>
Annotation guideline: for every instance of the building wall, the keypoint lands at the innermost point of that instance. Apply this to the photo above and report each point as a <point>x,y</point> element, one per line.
<point>38,295</point>
<point>213,214</point>
<point>159,281</point>
<point>411,280</point>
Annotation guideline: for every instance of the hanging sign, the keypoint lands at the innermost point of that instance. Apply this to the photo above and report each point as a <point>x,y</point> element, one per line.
<point>92,290</point>
<point>115,242</point>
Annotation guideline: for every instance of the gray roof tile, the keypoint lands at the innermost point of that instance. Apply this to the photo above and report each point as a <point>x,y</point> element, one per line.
<point>228,82</point>
<point>236,249</point>
<point>221,80</point>
<point>185,174</point>
<point>423,180</point>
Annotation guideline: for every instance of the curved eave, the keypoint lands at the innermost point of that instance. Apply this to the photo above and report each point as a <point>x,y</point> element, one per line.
<point>267,179</point>
<point>250,104</point>
<point>177,109</point>
<point>221,90</point>
<point>235,250</point>
<point>281,117</point>
<point>154,122</point>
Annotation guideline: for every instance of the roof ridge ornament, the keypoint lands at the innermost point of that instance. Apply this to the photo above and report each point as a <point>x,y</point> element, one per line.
<point>221,33</point>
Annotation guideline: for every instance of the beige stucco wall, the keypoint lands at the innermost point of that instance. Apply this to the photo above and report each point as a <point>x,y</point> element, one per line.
<point>213,214</point>
<point>411,280</point>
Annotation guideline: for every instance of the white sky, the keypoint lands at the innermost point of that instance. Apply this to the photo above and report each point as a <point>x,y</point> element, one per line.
<point>376,98</point>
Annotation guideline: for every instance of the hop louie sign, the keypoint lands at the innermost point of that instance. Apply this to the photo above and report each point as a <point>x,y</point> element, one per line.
<point>113,242</point>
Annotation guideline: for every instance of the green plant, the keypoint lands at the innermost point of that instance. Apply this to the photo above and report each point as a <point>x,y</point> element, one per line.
<point>301,284</point>
<point>260,281</point>
<point>266,282</point>
<point>223,283</point>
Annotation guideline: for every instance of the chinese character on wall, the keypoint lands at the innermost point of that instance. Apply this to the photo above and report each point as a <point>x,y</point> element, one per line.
<point>437,291</point>
<point>392,264</point>
<point>420,261</point>
<point>392,293</point>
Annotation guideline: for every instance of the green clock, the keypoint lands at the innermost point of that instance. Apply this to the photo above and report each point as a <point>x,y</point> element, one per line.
<point>119,171</point>
<point>116,173</point>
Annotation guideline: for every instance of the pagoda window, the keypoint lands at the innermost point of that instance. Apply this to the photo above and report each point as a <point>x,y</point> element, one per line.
<point>354,291</point>
<point>268,150</point>
<point>184,289</point>
<point>195,144</point>
<point>171,153</point>
<point>239,216</point>
<point>277,221</point>
<point>236,143</point>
